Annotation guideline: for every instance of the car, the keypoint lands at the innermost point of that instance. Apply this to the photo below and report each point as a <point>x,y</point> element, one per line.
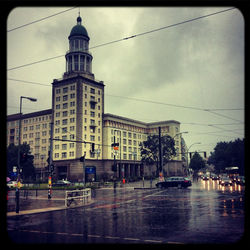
<point>224,181</point>
<point>215,177</point>
<point>175,181</point>
<point>12,184</point>
<point>61,183</point>
<point>240,180</point>
<point>205,177</point>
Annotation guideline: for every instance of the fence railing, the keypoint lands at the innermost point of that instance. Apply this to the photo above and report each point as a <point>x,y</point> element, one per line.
<point>77,196</point>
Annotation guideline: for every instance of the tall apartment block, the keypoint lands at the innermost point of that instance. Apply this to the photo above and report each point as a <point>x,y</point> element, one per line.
<point>79,124</point>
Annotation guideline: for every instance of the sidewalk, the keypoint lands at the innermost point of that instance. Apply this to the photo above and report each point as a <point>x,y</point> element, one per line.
<point>33,201</point>
<point>38,202</point>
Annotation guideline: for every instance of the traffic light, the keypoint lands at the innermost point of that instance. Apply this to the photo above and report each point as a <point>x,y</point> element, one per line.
<point>23,157</point>
<point>92,147</point>
<point>82,158</point>
<point>190,155</point>
<point>114,168</point>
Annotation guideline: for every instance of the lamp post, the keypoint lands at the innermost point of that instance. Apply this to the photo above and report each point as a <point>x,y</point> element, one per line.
<point>19,149</point>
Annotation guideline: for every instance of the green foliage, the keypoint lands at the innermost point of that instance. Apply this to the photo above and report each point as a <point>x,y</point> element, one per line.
<point>28,170</point>
<point>196,162</point>
<point>150,149</point>
<point>228,154</point>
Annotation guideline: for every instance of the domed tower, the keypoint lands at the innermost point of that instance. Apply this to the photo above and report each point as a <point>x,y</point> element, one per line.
<point>78,57</point>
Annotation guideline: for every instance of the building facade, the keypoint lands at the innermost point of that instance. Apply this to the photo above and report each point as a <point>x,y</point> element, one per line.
<point>80,126</point>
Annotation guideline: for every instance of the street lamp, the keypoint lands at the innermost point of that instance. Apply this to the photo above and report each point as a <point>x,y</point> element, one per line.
<point>19,149</point>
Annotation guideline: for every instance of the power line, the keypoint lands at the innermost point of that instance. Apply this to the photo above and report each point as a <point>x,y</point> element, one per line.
<point>39,20</point>
<point>143,100</point>
<point>130,37</point>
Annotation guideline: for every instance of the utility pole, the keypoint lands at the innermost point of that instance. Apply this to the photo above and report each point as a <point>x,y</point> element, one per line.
<point>50,162</point>
<point>160,153</point>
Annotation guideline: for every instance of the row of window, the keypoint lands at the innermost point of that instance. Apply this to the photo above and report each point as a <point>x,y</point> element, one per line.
<point>65,105</point>
<point>65,97</point>
<point>129,134</point>
<point>78,44</point>
<point>65,90</point>
<point>125,156</point>
<point>64,155</point>
<point>37,134</point>
<point>38,126</point>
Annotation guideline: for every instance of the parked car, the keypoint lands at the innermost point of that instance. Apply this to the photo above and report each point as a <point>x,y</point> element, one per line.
<point>240,180</point>
<point>12,184</point>
<point>174,181</point>
<point>224,181</point>
<point>61,183</point>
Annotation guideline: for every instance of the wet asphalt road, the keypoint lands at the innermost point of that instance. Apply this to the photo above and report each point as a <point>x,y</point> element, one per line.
<point>203,213</point>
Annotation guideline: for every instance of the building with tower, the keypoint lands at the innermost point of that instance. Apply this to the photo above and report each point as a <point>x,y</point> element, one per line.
<point>81,129</point>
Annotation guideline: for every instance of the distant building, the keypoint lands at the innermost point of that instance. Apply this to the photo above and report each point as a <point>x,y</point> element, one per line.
<point>79,124</point>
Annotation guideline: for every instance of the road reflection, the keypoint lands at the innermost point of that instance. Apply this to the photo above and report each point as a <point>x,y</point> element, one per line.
<point>211,185</point>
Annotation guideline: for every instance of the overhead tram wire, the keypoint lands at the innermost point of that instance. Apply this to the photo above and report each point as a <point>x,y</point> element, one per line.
<point>39,20</point>
<point>130,37</point>
<point>141,100</point>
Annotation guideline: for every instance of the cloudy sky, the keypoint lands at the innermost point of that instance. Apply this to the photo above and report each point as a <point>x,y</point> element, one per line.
<point>192,73</point>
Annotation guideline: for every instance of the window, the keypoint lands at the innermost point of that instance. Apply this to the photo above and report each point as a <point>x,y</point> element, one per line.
<point>72,145</point>
<point>92,138</point>
<point>72,128</point>
<point>76,62</point>
<point>92,91</point>
<point>70,64</point>
<point>65,105</point>
<point>72,95</point>
<point>64,130</point>
<point>72,120</point>
<point>81,63</point>
<point>64,155</point>
<point>72,104</point>
<point>92,114</point>
<point>58,99</point>
<point>72,111</point>
<point>65,113</point>
<point>56,155</point>
<point>58,114</point>
<point>65,97</point>
<point>57,146</point>
<point>64,146</point>
<point>58,106</point>
<point>71,153</point>
<point>64,121</point>
<point>65,90</point>
<point>58,91</point>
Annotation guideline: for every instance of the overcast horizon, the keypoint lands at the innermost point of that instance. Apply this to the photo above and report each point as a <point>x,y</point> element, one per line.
<point>192,73</point>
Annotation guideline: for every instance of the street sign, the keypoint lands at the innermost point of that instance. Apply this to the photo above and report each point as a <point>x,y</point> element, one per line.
<point>90,170</point>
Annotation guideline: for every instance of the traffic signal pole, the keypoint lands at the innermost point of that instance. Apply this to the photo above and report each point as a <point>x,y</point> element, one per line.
<point>50,163</point>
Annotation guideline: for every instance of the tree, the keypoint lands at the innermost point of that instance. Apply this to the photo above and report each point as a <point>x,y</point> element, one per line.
<point>196,162</point>
<point>150,149</point>
<point>28,170</point>
<point>228,154</point>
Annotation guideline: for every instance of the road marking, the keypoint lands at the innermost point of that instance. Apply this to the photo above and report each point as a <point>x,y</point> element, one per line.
<point>112,237</point>
<point>62,233</point>
<point>94,236</point>
<point>130,239</point>
<point>154,241</point>
<point>77,235</point>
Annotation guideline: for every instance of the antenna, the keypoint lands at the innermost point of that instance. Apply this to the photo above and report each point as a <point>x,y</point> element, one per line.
<point>79,11</point>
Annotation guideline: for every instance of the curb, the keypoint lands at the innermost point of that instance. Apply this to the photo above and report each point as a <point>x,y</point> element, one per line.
<point>43,210</point>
